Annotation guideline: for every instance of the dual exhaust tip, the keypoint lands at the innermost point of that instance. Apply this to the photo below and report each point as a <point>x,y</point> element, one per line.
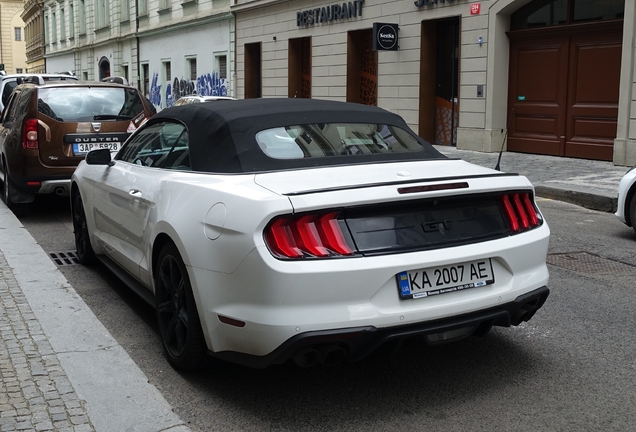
<point>327,354</point>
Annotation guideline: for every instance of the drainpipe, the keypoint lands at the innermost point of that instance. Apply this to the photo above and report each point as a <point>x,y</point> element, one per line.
<point>137,41</point>
<point>235,74</point>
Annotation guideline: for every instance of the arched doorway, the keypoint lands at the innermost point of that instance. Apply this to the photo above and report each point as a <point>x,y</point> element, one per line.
<point>104,68</point>
<point>565,60</point>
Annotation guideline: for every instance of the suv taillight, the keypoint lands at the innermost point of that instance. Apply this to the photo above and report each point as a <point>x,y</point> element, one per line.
<point>30,134</point>
<point>520,212</point>
<point>307,236</point>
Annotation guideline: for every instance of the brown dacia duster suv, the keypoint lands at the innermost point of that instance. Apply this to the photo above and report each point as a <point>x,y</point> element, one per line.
<point>47,129</point>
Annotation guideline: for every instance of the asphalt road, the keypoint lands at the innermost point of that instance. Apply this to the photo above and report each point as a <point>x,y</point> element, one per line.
<point>571,368</point>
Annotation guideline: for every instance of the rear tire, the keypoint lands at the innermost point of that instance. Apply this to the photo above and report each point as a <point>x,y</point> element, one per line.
<point>177,313</point>
<point>632,211</point>
<point>84,250</point>
<point>17,209</point>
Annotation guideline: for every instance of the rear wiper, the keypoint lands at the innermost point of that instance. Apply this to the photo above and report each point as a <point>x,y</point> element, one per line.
<point>111,117</point>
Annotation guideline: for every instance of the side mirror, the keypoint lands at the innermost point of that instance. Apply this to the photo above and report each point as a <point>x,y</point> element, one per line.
<point>98,157</point>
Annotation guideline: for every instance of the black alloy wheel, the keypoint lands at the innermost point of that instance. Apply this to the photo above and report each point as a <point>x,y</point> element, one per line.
<point>85,253</point>
<point>177,313</point>
<point>632,211</point>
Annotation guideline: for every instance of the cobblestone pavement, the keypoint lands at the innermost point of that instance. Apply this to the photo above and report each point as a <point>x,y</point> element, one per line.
<point>600,176</point>
<point>35,393</point>
<point>589,183</point>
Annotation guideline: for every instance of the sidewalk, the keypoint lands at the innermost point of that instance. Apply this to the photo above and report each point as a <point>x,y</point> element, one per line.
<point>61,370</point>
<point>588,183</point>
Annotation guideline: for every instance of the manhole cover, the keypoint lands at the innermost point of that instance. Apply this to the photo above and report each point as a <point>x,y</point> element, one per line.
<point>584,262</point>
<point>64,258</point>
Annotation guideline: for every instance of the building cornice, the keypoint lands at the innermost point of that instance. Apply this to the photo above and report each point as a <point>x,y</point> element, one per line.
<point>254,4</point>
<point>170,27</point>
<point>31,7</point>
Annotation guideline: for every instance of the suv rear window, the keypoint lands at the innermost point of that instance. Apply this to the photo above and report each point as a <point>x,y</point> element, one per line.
<point>77,104</point>
<point>335,139</point>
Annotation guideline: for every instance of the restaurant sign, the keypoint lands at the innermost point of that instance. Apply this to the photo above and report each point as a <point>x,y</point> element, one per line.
<point>327,14</point>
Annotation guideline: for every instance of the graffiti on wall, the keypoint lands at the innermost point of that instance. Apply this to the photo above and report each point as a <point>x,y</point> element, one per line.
<point>205,85</point>
<point>155,91</point>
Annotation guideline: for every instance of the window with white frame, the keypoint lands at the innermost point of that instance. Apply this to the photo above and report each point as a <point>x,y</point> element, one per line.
<point>82,17</point>
<point>164,4</point>
<point>124,70</point>
<point>125,10</point>
<point>54,25</point>
<point>221,65</point>
<point>167,71</point>
<point>143,7</point>
<point>102,13</point>
<point>18,33</point>
<point>71,21</point>
<point>192,67</point>
<point>62,24</point>
<point>47,37</point>
<point>146,78</point>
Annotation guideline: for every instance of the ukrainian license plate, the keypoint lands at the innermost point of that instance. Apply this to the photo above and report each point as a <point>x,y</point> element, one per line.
<point>83,148</point>
<point>445,279</point>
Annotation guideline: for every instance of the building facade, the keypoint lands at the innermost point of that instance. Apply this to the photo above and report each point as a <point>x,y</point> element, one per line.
<point>12,45</point>
<point>541,76</point>
<point>166,48</point>
<point>34,35</point>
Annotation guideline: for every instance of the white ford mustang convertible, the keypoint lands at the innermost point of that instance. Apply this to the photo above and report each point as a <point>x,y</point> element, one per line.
<point>268,230</point>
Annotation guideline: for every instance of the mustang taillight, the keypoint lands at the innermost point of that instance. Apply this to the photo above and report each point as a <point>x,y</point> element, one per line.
<point>30,134</point>
<point>520,212</point>
<point>307,236</point>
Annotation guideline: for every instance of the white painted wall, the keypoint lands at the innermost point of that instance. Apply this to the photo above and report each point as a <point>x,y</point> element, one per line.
<point>61,63</point>
<point>201,42</point>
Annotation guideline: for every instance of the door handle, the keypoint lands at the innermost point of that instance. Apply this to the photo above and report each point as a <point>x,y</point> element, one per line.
<point>135,193</point>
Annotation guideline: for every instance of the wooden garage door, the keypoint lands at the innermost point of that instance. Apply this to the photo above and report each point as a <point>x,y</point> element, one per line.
<point>563,90</point>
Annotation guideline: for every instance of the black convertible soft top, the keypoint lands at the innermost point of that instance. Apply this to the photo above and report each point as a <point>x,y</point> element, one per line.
<point>222,133</point>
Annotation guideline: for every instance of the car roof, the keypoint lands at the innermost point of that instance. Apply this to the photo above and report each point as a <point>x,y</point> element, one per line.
<point>77,83</point>
<point>222,133</point>
<point>45,75</point>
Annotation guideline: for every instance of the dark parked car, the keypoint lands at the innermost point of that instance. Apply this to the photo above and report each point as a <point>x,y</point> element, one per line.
<point>47,129</point>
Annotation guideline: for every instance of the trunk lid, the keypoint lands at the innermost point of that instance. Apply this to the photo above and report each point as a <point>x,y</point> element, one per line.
<point>400,207</point>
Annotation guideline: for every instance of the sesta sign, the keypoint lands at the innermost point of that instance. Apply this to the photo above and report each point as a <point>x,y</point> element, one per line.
<point>385,37</point>
<point>327,14</point>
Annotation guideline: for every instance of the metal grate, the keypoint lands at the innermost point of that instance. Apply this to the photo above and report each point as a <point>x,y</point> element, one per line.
<point>585,262</point>
<point>64,258</point>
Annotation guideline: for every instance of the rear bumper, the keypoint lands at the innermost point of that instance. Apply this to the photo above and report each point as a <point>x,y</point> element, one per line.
<point>42,184</point>
<point>358,342</point>
<point>58,187</point>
